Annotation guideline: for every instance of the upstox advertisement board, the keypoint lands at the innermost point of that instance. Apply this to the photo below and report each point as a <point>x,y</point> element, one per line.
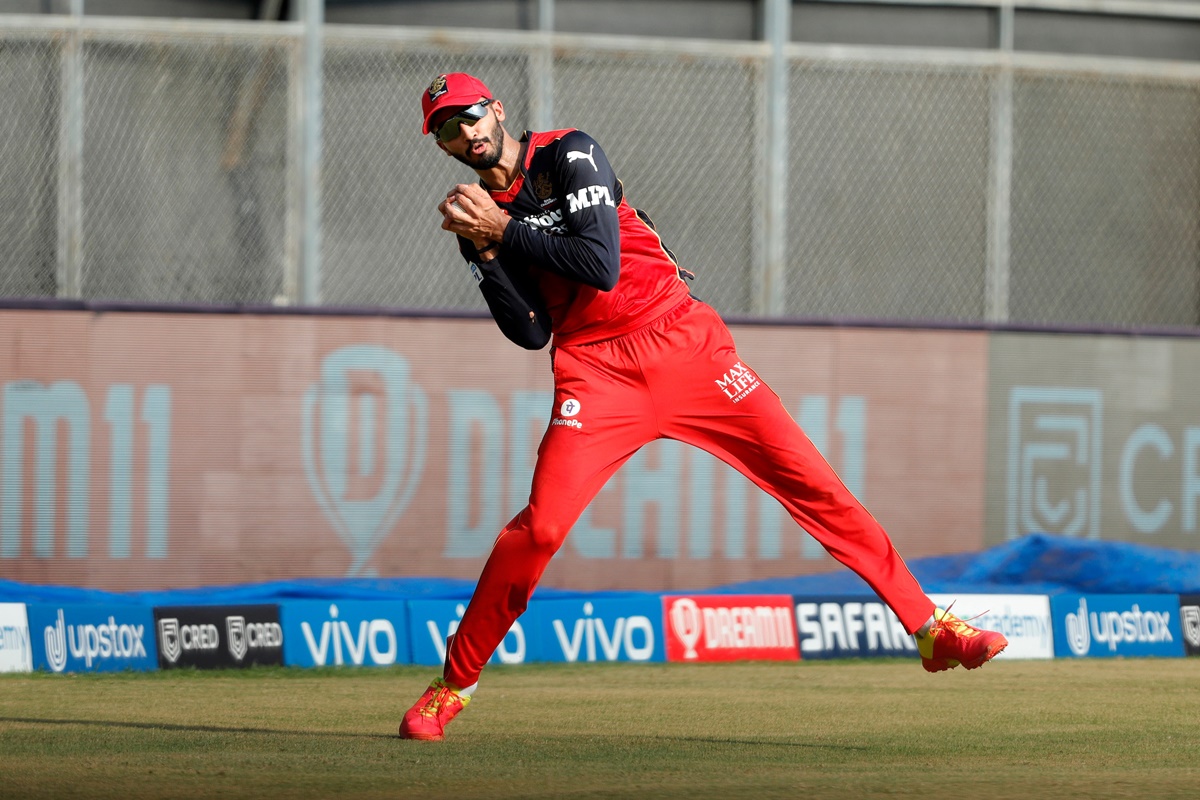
<point>218,636</point>
<point>850,627</point>
<point>1024,619</point>
<point>431,621</point>
<point>619,628</point>
<point>345,632</point>
<point>1189,620</point>
<point>16,655</point>
<point>92,637</point>
<point>1107,625</point>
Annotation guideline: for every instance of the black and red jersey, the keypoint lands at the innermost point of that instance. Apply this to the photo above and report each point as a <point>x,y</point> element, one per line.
<point>578,252</point>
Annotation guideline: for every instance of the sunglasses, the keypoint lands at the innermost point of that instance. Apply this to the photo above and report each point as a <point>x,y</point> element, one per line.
<point>448,131</point>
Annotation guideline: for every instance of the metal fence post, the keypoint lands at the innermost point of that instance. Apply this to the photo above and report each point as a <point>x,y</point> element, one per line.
<point>312,105</point>
<point>541,62</point>
<point>771,286</point>
<point>996,286</point>
<point>69,277</point>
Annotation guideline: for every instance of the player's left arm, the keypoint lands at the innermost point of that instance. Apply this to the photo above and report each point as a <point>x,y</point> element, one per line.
<point>590,250</point>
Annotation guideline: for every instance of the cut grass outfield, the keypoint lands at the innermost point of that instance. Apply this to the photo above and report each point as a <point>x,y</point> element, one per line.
<point>1089,728</point>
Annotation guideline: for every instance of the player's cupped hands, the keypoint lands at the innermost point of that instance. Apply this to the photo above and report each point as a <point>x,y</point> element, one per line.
<point>470,212</point>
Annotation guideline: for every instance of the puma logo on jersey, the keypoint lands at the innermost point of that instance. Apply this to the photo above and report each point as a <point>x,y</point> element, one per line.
<point>579,155</point>
<point>589,196</point>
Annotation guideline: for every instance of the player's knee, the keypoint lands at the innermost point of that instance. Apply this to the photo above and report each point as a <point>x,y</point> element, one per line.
<point>548,536</point>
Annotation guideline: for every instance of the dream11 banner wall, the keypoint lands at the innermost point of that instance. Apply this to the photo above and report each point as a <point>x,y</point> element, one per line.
<point>151,450</point>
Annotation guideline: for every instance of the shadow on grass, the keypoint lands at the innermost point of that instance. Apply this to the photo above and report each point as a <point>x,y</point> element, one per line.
<point>166,726</point>
<point>753,742</point>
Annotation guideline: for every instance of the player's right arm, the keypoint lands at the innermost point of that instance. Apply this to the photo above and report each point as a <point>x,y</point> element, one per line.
<point>515,302</point>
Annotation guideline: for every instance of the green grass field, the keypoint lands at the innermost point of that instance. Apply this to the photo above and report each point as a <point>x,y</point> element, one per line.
<point>1094,729</point>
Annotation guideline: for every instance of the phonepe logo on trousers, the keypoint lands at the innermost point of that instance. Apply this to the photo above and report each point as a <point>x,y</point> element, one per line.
<point>1111,625</point>
<point>729,627</point>
<point>368,404</point>
<point>598,629</point>
<point>842,627</point>
<point>82,637</point>
<point>353,633</point>
<point>1054,461</point>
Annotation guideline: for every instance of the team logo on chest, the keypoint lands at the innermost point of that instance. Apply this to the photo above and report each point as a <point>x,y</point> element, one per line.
<point>543,187</point>
<point>738,382</point>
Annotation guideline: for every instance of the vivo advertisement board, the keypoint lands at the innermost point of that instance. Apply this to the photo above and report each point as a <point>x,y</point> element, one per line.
<point>92,637</point>
<point>620,628</point>
<point>1189,620</point>
<point>431,621</point>
<point>1024,619</point>
<point>850,627</point>
<point>1107,625</point>
<point>344,633</point>
<point>16,655</point>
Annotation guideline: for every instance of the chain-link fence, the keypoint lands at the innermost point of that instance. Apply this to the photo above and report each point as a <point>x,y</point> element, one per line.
<point>155,161</point>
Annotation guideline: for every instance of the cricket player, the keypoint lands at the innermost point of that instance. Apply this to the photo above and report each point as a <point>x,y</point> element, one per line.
<point>561,255</point>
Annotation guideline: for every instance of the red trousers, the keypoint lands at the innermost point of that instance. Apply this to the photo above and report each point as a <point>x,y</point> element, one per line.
<point>679,377</point>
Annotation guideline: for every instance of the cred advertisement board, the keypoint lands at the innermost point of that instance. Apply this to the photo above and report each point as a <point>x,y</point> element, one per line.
<point>210,637</point>
<point>355,633</point>
<point>92,638</point>
<point>1108,625</point>
<point>1189,620</point>
<point>730,628</point>
<point>850,627</point>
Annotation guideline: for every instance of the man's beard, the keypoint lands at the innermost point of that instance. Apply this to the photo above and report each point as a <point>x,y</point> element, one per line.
<point>487,159</point>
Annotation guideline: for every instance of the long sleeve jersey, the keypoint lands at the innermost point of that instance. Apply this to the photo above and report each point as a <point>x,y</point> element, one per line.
<point>577,261</point>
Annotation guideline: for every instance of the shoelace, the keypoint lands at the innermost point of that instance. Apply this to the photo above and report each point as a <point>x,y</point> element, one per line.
<point>955,625</point>
<point>434,704</point>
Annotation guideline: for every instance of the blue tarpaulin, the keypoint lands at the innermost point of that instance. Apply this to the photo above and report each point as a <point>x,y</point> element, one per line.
<point>1036,564</point>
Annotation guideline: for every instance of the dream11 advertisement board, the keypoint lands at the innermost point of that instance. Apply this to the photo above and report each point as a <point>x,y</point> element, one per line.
<point>850,627</point>
<point>205,449</point>
<point>1024,619</point>
<point>621,627</point>
<point>729,628</point>
<point>210,637</point>
<point>432,621</point>
<point>16,654</point>
<point>92,637</point>
<point>346,632</point>
<point>1109,625</point>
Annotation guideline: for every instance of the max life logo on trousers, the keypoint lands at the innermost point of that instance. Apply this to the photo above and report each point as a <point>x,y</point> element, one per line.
<point>738,382</point>
<point>730,628</point>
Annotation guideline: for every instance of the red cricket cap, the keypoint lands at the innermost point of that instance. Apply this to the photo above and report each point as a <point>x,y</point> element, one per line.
<point>457,89</point>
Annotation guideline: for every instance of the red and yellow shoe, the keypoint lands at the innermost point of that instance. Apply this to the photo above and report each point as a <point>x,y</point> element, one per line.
<point>951,642</point>
<point>428,717</point>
